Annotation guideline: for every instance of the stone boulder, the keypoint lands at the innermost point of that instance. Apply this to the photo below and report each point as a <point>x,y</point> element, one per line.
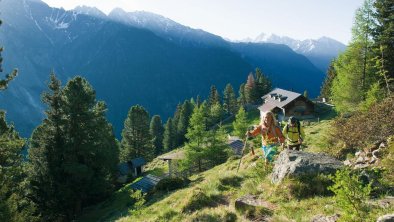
<point>386,218</point>
<point>293,163</point>
<point>322,218</point>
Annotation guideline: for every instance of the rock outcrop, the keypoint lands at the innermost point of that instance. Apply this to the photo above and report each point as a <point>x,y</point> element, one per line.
<point>386,218</point>
<point>367,157</point>
<point>298,163</point>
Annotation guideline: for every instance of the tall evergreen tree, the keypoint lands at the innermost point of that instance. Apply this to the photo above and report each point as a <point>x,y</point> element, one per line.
<point>325,90</point>
<point>242,97</point>
<point>250,89</point>
<point>175,121</point>
<point>214,96</point>
<point>263,85</point>
<point>196,134</point>
<point>12,204</point>
<point>183,123</point>
<point>229,100</point>
<point>48,143</point>
<point>240,124</point>
<point>156,130</point>
<point>73,153</point>
<point>169,136</point>
<point>136,139</point>
<point>383,36</point>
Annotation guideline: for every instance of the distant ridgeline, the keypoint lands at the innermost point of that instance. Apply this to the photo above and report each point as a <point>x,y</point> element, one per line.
<point>130,65</point>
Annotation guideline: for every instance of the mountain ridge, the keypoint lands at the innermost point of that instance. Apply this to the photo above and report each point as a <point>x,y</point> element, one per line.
<point>128,65</point>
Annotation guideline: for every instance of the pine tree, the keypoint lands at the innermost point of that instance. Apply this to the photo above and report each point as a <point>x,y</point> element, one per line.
<point>216,149</point>
<point>12,203</point>
<point>183,123</point>
<point>175,121</point>
<point>215,114</point>
<point>156,130</point>
<point>383,35</point>
<point>242,96</point>
<point>240,124</point>
<point>214,96</point>
<point>325,90</point>
<point>47,147</point>
<point>136,139</point>
<point>263,85</point>
<point>229,100</point>
<point>169,136</point>
<point>196,134</point>
<point>73,153</point>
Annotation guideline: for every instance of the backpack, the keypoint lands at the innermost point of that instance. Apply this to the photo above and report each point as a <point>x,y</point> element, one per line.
<point>298,127</point>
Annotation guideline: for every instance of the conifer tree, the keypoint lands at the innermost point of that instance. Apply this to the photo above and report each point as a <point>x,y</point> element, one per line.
<point>73,153</point>
<point>383,36</point>
<point>169,136</point>
<point>214,96</point>
<point>240,124</point>
<point>216,149</point>
<point>325,90</point>
<point>156,130</point>
<point>229,100</point>
<point>183,123</point>
<point>215,114</point>
<point>196,134</point>
<point>12,202</point>
<point>250,89</point>
<point>136,139</point>
<point>175,121</point>
<point>242,97</point>
<point>263,85</point>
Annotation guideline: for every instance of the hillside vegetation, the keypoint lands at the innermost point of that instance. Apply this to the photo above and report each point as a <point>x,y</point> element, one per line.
<point>210,195</point>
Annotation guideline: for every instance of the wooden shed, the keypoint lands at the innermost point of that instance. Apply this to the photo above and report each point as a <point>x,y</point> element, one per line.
<point>286,103</point>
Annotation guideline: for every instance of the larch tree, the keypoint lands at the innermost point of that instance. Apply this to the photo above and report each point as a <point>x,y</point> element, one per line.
<point>240,124</point>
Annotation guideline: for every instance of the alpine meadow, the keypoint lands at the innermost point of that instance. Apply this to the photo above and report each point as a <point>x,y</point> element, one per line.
<point>196,111</point>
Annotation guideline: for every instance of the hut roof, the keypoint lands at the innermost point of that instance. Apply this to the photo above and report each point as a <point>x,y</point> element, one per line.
<point>137,162</point>
<point>173,156</point>
<point>277,98</point>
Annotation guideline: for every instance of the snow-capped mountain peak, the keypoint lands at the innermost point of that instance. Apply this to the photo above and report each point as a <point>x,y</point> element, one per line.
<point>91,11</point>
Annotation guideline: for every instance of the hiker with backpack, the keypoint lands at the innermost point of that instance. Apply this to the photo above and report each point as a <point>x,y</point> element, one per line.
<point>271,136</point>
<point>294,134</point>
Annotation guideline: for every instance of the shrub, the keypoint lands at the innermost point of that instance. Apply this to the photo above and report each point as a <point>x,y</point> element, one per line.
<point>171,183</point>
<point>350,195</point>
<point>139,200</point>
<point>363,128</point>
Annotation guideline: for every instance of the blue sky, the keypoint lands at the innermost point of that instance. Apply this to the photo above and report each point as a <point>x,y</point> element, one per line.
<point>239,19</point>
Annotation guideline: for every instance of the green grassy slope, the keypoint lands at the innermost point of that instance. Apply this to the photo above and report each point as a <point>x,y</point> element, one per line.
<point>210,196</point>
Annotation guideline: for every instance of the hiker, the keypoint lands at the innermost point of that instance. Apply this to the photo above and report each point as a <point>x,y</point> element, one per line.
<point>294,134</point>
<point>271,136</point>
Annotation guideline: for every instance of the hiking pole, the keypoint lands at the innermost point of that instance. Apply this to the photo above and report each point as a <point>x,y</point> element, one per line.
<point>243,150</point>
